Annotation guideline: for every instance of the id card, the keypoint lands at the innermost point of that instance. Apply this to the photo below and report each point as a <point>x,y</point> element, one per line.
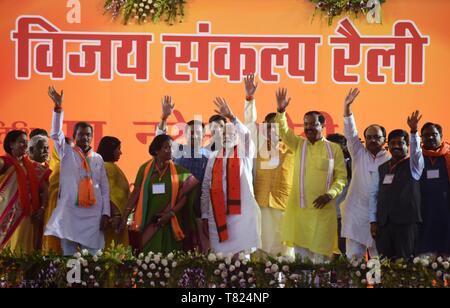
<point>159,189</point>
<point>433,174</point>
<point>388,179</point>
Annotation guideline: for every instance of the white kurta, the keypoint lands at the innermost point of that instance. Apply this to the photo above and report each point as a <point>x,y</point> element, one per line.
<point>68,221</point>
<point>355,208</point>
<point>244,230</point>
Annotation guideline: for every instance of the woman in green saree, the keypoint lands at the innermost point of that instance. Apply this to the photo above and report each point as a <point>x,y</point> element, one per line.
<point>162,200</point>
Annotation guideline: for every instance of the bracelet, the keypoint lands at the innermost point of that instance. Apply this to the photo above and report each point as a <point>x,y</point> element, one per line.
<point>249,98</point>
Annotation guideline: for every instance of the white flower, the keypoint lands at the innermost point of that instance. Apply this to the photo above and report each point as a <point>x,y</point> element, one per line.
<point>250,270</point>
<point>95,258</point>
<point>96,285</point>
<point>147,260</point>
<point>416,260</point>
<point>152,266</point>
<point>91,277</point>
<point>233,278</point>
<point>274,268</point>
<point>167,275</point>
<point>267,271</point>
<point>144,15</point>
<point>140,274</point>
<point>135,5</point>
<point>166,270</point>
<point>174,264</point>
<point>228,261</point>
<point>242,281</point>
<point>84,263</point>
<point>440,259</point>
<point>221,266</point>
<point>139,262</point>
<point>141,4</point>
<point>272,282</point>
<point>290,259</point>
<point>280,259</point>
<point>363,281</point>
<point>157,275</point>
<point>85,252</point>
<point>141,10</point>
<point>212,257</point>
<point>358,274</point>
<point>446,265</point>
<point>170,256</point>
<point>99,253</point>
<point>162,283</point>
<point>141,256</point>
<point>363,266</point>
<point>144,267</point>
<point>156,259</point>
<point>241,256</point>
<point>164,262</point>
<point>224,275</point>
<point>152,283</point>
<point>434,265</point>
<point>250,280</point>
<point>77,255</point>
<point>223,286</point>
<point>285,268</point>
<point>86,270</point>
<point>237,264</point>
<point>149,275</point>
<point>425,262</point>
<point>219,256</point>
<point>98,269</point>
<point>232,268</point>
<point>217,272</point>
<point>241,274</point>
<point>147,7</point>
<point>355,263</point>
<point>293,277</point>
<point>268,264</point>
<point>83,284</point>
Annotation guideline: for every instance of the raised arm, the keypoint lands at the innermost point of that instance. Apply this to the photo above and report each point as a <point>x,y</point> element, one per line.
<point>351,133</point>
<point>287,135</point>
<point>57,121</point>
<point>417,163</point>
<point>250,113</point>
<point>167,107</point>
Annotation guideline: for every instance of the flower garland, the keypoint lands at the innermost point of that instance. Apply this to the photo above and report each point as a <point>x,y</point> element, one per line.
<point>117,267</point>
<point>142,11</point>
<point>333,8</point>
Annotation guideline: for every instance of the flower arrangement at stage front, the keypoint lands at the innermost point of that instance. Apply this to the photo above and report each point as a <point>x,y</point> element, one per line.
<point>333,8</point>
<point>143,11</point>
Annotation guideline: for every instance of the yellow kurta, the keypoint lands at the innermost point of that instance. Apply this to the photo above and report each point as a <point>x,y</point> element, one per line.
<point>119,190</point>
<point>51,243</point>
<point>273,185</point>
<point>311,228</point>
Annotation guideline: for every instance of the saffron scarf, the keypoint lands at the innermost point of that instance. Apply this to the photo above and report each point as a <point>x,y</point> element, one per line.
<point>233,206</point>
<point>86,193</point>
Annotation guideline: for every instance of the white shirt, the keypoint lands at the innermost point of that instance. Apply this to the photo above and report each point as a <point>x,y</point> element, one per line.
<point>355,208</point>
<point>68,221</point>
<point>244,230</point>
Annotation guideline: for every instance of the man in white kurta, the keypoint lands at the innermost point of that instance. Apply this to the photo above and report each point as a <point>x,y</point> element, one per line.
<point>77,226</point>
<point>244,230</point>
<point>365,163</point>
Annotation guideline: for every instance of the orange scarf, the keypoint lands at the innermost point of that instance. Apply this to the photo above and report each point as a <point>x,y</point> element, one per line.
<point>86,193</point>
<point>175,181</point>
<point>233,192</point>
<point>444,150</point>
<point>28,206</point>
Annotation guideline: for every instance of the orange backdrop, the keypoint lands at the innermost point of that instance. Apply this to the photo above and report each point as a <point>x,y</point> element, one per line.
<point>115,105</point>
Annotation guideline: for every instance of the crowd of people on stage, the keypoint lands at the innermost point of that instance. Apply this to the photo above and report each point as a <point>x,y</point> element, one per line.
<point>256,189</point>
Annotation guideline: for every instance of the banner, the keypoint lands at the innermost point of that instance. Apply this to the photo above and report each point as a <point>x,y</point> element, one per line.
<point>114,75</point>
